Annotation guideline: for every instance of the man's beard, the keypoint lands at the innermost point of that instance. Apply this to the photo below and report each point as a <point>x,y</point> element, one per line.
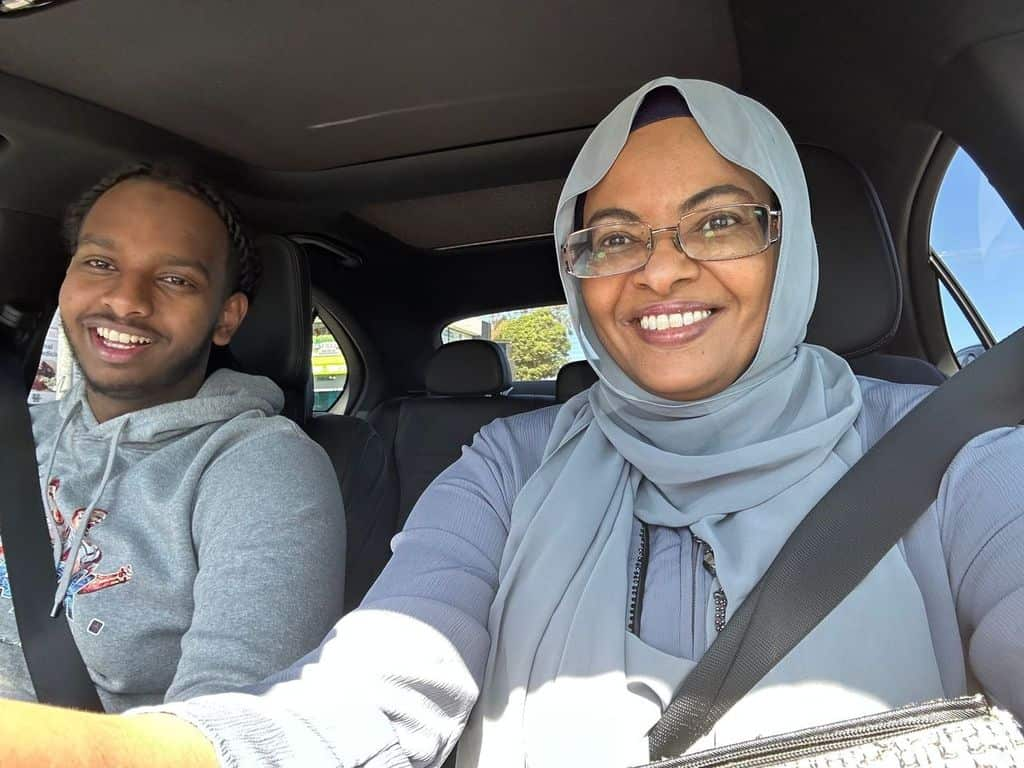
<point>163,381</point>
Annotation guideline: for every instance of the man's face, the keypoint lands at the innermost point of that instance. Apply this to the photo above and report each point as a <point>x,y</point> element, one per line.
<point>145,294</point>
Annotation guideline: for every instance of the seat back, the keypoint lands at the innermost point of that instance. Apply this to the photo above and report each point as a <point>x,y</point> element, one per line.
<point>369,492</point>
<point>466,382</point>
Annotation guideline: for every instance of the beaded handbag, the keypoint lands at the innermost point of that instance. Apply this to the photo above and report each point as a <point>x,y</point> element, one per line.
<point>958,733</point>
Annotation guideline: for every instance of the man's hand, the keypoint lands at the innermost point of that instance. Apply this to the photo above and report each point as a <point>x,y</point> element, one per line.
<point>36,736</point>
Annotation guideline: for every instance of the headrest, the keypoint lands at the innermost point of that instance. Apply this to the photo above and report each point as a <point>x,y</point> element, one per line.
<point>859,290</point>
<point>32,261</point>
<point>277,335</point>
<point>471,367</point>
<point>572,379</point>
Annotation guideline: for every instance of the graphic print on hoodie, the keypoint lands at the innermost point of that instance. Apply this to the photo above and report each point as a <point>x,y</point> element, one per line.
<point>84,578</point>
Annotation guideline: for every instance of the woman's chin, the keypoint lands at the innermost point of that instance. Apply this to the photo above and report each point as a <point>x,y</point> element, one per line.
<point>682,391</point>
<point>688,377</point>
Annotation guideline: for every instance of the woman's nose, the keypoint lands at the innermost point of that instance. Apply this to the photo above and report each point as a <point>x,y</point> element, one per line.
<point>667,265</point>
<point>129,296</point>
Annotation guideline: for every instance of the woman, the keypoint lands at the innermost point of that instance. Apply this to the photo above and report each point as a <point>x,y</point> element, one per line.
<point>563,576</point>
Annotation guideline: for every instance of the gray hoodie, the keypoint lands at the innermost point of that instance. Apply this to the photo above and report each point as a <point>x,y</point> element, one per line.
<point>214,551</point>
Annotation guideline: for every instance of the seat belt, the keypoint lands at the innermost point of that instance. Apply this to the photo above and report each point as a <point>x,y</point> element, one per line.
<point>842,539</point>
<point>54,662</point>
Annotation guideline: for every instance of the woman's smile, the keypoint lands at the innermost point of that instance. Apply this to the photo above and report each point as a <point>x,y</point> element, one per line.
<point>673,324</point>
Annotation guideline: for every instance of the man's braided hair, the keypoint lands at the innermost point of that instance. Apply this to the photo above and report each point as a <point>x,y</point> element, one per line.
<point>244,266</point>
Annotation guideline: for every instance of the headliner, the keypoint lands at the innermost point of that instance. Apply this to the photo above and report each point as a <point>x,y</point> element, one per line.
<point>339,83</point>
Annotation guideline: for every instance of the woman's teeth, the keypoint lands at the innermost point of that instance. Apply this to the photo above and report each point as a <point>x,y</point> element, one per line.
<point>116,337</point>
<point>674,320</point>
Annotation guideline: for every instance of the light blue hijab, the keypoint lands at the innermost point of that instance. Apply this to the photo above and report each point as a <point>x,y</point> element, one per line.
<point>740,469</point>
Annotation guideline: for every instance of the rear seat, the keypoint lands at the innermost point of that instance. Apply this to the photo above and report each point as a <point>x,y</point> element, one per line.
<point>369,492</point>
<point>466,382</point>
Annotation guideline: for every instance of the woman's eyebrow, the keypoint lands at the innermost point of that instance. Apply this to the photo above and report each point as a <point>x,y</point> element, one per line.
<point>720,190</point>
<point>691,203</point>
<point>618,214</point>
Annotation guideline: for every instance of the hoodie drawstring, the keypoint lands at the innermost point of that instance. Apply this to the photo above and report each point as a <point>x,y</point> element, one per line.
<point>83,521</point>
<point>55,540</point>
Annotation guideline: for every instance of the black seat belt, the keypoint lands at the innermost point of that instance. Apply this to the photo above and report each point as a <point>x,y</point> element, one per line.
<point>843,537</point>
<point>54,662</point>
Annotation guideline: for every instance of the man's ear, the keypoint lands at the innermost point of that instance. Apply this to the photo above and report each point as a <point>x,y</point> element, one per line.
<point>231,316</point>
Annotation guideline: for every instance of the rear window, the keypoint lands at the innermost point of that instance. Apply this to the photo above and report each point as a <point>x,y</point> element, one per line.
<point>330,368</point>
<point>538,341</point>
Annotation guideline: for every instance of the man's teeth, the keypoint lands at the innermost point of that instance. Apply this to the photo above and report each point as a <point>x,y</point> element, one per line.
<point>116,337</point>
<point>674,320</point>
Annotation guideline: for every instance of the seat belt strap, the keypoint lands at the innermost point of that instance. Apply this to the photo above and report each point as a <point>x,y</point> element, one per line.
<point>843,537</point>
<point>54,662</point>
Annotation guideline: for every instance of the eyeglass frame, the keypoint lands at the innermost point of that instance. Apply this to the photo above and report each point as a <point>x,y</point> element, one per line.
<point>774,216</point>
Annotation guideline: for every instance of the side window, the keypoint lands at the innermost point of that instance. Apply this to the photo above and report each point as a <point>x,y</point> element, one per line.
<point>330,369</point>
<point>57,371</point>
<point>978,258</point>
<point>538,341</point>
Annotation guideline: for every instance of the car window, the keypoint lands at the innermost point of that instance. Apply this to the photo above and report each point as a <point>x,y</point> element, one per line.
<point>57,371</point>
<point>330,368</point>
<point>978,257</point>
<point>538,341</point>
<point>965,341</point>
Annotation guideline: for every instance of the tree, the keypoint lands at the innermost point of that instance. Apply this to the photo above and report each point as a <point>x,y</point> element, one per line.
<point>537,343</point>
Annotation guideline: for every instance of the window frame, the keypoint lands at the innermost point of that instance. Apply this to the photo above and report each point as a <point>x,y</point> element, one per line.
<point>318,315</point>
<point>970,312</point>
<point>338,323</point>
<point>927,335</point>
<point>929,273</point>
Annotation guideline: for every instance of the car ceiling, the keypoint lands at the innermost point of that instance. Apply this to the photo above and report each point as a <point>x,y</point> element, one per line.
<point>339,83</point>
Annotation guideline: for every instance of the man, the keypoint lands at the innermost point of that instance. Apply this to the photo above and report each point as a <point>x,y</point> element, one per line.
<point>198,538</point>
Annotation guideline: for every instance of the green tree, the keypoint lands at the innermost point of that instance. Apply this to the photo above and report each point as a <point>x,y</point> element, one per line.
<point>537,342</point>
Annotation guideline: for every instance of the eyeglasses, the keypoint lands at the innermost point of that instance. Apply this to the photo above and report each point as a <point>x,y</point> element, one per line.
<point>716,234</point>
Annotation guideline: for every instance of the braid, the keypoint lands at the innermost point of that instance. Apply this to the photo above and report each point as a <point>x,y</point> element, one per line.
<point>244,265</point>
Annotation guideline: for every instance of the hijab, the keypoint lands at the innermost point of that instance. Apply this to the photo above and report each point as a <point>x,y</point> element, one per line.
<point>565,683</point>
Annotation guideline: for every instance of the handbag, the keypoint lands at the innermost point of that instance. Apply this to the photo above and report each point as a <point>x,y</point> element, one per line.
<point>839,542</point>
<point>959,733</point>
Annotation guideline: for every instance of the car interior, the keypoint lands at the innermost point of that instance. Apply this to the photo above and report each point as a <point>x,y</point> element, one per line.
<point>401,164</point>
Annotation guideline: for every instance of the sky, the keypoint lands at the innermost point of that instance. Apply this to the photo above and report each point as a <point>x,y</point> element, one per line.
<point>983,245</point>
